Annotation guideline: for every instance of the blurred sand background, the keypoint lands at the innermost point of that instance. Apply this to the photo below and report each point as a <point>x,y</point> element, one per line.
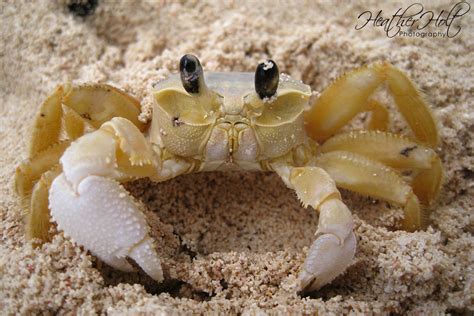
<point>233,242</point>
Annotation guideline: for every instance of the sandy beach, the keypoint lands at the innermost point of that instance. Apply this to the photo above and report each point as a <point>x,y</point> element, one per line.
<point>233,243</point>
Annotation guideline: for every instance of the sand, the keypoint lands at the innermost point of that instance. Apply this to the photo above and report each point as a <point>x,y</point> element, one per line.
<point>233,242</point>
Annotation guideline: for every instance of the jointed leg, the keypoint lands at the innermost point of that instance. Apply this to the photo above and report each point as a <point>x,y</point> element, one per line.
<point>395,151</point>
<point>98,103</point>
<point>69,108</point>
<point>74,124</point>
<point>91,206</point>
<point>47,126</point>
<point>379,119</point>
<point>29,171</point>
<point>95,104</point>
<point>335,243</point>
<point>349,95</point>
<point>38,218</point>
<point>366,176</point>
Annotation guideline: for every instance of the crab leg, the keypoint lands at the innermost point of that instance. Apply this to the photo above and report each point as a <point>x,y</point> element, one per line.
<point>335,243</point>
<point>395,151</point>
<point>68,108</point>
<point>98,103</point>
<point>74,124</point>
<point>366,176</point>
<point>348,95</point>
<point>47,126</point>
<point>29,171</point>
<point>38,217</point>
<point>89,204</point>
<point>95,103</point>
<point>379,119</point>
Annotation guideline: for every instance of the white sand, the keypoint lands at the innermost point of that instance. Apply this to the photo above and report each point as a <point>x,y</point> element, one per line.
<point>247,241</point>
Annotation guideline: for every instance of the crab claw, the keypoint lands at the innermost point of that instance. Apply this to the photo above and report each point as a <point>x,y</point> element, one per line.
<point>101,216</point>
<point>327,258</point>
<point>333,250</point>
<point>335,244</point>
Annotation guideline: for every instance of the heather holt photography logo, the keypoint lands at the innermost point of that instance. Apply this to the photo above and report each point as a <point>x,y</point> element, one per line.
<point>416,21</point>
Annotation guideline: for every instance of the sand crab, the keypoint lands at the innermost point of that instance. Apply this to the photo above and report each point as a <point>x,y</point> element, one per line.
<point>226,121</point>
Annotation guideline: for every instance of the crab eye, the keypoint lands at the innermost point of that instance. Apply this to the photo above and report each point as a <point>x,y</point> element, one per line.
<point>266,79</point>
<point>191,73</point>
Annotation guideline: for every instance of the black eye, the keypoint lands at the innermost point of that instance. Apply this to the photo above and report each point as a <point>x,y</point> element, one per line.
<point>191,73</point>
<point>266,79</point>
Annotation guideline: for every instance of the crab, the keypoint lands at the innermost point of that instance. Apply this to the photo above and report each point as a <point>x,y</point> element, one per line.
<point>87,140</point>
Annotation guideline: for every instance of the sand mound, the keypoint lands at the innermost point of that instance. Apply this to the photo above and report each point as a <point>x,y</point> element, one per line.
<point>228,247</point>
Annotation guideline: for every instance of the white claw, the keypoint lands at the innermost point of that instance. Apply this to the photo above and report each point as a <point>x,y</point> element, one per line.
<point>112,228</point>
<point>146,257</point>
<point>327,258</point>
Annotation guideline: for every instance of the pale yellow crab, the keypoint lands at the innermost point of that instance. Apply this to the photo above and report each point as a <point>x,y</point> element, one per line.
<point>226,121</point>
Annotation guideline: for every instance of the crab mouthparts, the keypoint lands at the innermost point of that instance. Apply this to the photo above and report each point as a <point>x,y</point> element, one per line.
<point>232,140</point>
<point>233,129</point>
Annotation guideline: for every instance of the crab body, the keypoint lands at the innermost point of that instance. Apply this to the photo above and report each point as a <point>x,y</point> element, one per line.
<point>228,126</point>
<point>225,121</point>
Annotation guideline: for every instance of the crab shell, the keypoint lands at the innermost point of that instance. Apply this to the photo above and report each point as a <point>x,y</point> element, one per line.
<point>228,125</point>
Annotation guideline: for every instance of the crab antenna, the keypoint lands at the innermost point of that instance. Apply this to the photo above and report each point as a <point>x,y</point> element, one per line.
<point>192,75</point>
<point>266,79</point>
